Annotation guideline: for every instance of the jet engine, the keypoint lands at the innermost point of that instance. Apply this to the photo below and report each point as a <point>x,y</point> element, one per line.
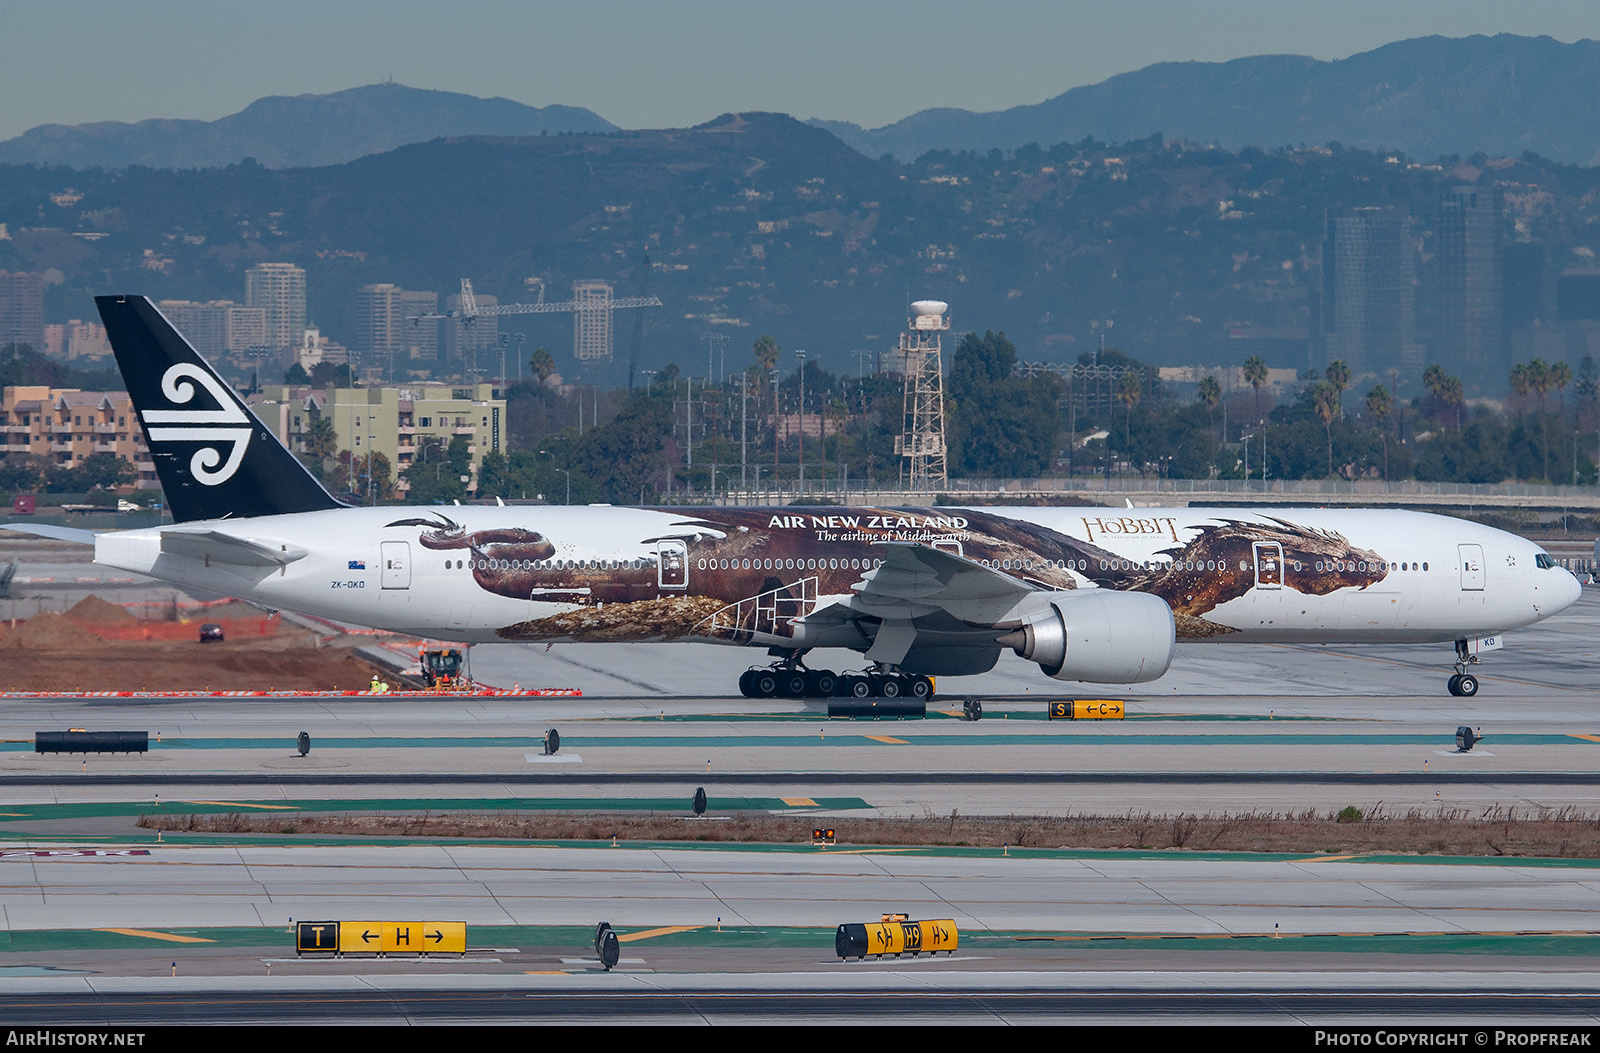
<point>1099,636</point>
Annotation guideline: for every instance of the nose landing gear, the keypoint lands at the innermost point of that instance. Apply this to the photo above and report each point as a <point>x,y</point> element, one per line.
<point>1463,684</point>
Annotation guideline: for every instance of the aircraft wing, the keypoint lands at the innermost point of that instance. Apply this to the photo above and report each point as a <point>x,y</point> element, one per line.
<point>917,580</point>
<point>920,589</point>
<point>216,547</point>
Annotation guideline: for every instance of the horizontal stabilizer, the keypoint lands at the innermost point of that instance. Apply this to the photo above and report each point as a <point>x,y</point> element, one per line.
<point>77,535</point>
<point>215,547</point>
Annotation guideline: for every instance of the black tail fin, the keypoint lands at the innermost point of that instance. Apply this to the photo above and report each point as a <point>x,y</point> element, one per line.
<point>214,457</point>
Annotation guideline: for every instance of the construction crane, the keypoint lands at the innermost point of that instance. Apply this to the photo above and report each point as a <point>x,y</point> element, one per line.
<point>638,320</point>
<point>470,311</point>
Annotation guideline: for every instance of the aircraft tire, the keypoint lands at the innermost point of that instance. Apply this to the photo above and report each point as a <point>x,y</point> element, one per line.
<point>1454,684</point>
<point>795,684</point>
<point>764,684</point>
<point>1467,685</point>
<point>890,687</point>
<point>921,687</point>
<point>858,687</point>
<point>822,683</point>
<point>745,686</point>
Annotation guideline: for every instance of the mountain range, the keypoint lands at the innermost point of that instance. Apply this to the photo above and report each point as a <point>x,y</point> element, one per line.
<point>296,131</point>
<point>1427,97</point>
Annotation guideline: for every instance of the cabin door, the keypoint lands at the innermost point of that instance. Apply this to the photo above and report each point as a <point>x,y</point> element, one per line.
<point>1269,565</point>
<point>1471,568</point>
<point>396,570</point>
<point>672,564</point>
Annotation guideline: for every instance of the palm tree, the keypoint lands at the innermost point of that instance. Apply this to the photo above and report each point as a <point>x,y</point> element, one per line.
<point>765,349</point>
<point>1519,379</point>
<point>1211,393</point>
<point>1433,377</point>
<point>320,441</point>
<point>1255,374</point>
<point>1338,375</point>
<point>1445,389</point>
<point>1539,380</point>
<point>543,364</point>
<point>1379,405</point>
<point>1454,395</point>
<point>1325,397</point>
<point>1128,391</point>
<point>1560,377</point>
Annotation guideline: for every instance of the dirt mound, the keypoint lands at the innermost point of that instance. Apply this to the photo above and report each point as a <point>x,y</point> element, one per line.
<point>92,610</point>
<point>50,631</point>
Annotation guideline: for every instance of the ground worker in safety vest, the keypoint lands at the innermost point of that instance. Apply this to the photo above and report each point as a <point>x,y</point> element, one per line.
<point>379,685</point>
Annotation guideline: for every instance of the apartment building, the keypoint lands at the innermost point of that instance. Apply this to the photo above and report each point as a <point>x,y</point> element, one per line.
<point>66,426</point>
<point>411,424</point>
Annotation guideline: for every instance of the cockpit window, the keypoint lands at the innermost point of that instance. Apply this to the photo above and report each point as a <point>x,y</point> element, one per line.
<point>1544,560</point>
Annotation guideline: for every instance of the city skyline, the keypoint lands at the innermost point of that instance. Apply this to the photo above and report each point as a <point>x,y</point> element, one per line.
<point>643,65</point>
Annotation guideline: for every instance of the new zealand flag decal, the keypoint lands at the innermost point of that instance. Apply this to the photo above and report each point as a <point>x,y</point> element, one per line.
<point>358,564</point>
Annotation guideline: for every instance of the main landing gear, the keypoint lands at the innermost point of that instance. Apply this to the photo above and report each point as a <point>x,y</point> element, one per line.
<point>882,681</point>
<point>1463,684</point>
<point>791,679</point>
<point>788,680</point>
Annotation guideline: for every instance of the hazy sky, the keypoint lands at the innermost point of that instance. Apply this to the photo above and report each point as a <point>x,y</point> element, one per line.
<point>644,64</point>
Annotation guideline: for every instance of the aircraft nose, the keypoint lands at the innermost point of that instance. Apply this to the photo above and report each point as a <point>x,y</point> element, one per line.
<point>1573,589</point>
<point>1560,590</point>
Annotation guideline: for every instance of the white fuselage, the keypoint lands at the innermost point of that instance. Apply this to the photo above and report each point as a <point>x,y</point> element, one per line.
<point>1392,576</point>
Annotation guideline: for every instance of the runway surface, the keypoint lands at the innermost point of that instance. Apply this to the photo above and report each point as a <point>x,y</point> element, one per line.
<point>98,913</point>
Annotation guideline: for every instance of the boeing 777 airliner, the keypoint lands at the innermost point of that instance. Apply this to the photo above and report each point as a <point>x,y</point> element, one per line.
<point>1093,595</point>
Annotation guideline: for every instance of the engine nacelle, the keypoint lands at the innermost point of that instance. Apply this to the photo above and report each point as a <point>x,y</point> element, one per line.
<point>1099,636</point>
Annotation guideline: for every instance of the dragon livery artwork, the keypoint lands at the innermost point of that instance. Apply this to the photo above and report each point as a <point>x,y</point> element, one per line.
<point>737,556</point>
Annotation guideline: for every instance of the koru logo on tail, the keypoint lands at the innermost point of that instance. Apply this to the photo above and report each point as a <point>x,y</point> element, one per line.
<point>228,423</point>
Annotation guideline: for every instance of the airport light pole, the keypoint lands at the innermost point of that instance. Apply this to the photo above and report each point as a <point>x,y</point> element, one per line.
<point>563,471</point>
<point>438,446</point>
<point>801,355</point>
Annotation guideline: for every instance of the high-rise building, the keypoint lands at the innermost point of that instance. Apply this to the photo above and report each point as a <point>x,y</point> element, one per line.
<point>418,335</point>
<point>1368,291</point>
<point>247,327</point>
<point>378,319</point>
<point>1525,298</point>
<point>76,339</point>
<point>218,328</point>
<point>591,322</point>
<point>280,290</point>
<point>22,309</point>
<point>1471,252</point>
<point>388,324</point>
<point>205,325</point>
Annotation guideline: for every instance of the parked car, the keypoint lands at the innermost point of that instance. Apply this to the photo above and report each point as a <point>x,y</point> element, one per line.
<point>210,631</point>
